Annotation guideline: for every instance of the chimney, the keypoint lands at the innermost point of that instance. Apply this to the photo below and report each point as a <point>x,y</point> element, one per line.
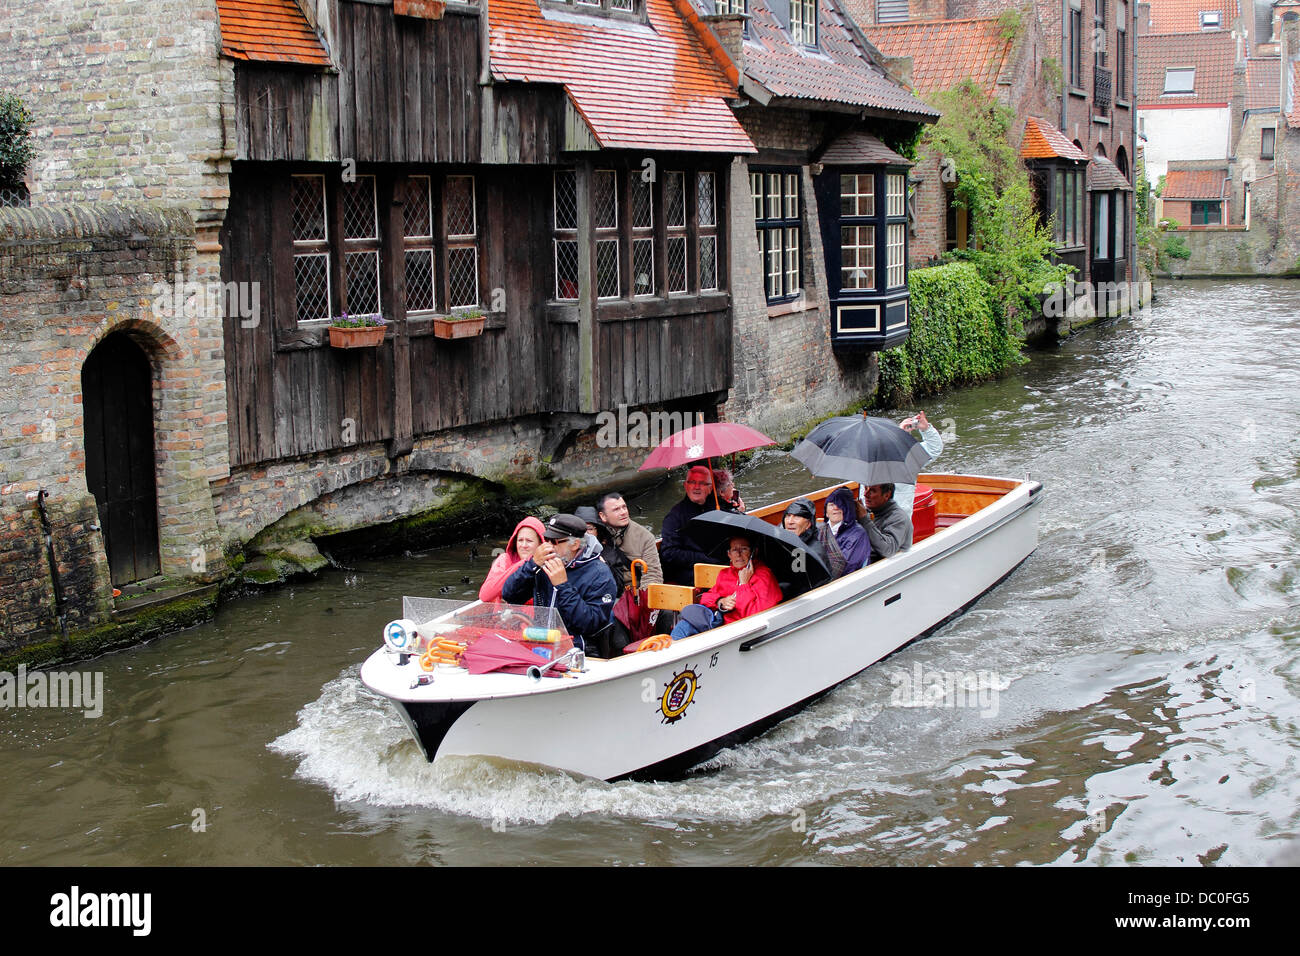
<point>1143,19</point>
<point>1237,110</point>
<point>729,28</point>
<point>899,69</point>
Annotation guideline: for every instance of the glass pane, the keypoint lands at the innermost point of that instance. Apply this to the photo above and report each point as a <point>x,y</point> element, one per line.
<point>566,201</point>
<point>756,190</point>
<point>773,195</point>
<point>857,195</point>
<point>676,263</point>
<point>897,255</point>
<point>309,208</point>
<point>894,188</point>
<point>772,251</point>
<point>791,196</point>
<point>792,262</point>
<point>419,280</point>
<point>643,267</point>
<point>708,262</point>
<point>643,212</point>
<point>1078,207</point>
<point>566,269</point>
<point>459,201</point>
<point>624,5</point>
<point>462,277</point>
<point>311,283</point>
<point>704,190</point>
<point>604,199</point>
<point>1058,212</point>
<point>607,268</point>
<point>362,282</point>
<point>417,211</point>
<point>675,198</point>
<point>858,257</point>
<point>360,215</point>
<point>1101,227</point>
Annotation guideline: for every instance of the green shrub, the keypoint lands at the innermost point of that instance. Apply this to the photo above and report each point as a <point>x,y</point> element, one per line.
<point>16,149</point>
<point>1176,248</point>
<point>957,335</point>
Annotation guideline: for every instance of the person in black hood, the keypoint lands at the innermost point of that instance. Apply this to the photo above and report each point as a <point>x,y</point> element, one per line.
<point>801,519</point>
<point>566,572</point>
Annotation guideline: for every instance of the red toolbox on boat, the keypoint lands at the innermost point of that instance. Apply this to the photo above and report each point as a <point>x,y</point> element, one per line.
<point>923,513</point>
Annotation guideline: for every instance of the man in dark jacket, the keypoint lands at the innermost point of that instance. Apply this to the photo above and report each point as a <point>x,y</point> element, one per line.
<point>566,571</point>
<point>888,527</point>
<point>677,549</point>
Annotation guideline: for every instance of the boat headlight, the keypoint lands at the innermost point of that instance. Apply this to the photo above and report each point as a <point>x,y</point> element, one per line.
<point>402,636</point>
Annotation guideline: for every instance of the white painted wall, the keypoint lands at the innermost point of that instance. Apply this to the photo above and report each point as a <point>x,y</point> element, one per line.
<point>1191,133</point>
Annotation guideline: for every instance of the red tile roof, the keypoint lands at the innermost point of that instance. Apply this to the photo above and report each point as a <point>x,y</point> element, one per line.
<point>1195,184</point>
<point>1263,82</point>
<point>636,86</point>
<point>1104,175</point>
<point>945,52</point>
<point>1042,140</point>
<point>1210,54</point>
<point>859,146</point>
<point>1184,16</point>
<point>271,31</point>
<point>838,71</point>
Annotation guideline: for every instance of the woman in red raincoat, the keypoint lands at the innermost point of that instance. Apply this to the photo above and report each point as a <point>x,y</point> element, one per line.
<point>527,536</point>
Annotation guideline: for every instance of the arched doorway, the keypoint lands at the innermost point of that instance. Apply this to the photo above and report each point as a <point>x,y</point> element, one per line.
<point>117,396</point>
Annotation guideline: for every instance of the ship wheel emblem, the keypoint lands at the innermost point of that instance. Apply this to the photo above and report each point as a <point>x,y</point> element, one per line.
<point>695,451</point>
<point>677,696</point>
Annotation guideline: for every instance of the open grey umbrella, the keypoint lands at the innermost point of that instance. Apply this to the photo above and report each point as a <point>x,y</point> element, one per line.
<point>790,559</point>
<point>873,451</point>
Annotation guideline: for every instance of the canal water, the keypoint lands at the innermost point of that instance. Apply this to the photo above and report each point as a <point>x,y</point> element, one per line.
<point>1131,694</point>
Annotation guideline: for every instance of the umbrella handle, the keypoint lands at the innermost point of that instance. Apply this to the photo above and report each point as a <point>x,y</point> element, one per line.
<point>644,568</point>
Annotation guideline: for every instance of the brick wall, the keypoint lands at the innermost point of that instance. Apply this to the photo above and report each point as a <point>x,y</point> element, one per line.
<point>70,275</point>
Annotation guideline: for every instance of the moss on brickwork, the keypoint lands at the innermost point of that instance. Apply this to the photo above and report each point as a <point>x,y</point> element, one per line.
<point>185,611</point>
<point>470,511</point>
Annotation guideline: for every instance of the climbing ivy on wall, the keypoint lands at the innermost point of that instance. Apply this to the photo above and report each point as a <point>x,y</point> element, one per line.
<point>16,149</point>
<point>957,337</point>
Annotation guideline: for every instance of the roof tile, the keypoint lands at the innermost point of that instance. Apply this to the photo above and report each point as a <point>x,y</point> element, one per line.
<point>1042,140</point>
<point>1104,175</point>
<point>1263,75</point>
<point>946,52</point>
<point>637,86</point>
<point>1184,16</point>
<point>859,146</point>
<point>271,31</point>
<point>1195,184</point>
<point>1210,54</point>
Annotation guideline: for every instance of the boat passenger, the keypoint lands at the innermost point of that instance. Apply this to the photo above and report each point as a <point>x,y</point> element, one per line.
<point>631,540</point>
<point>678,550</point>
<point>842,519</point>
<point>746,586</point>
<point>523,542</point>
<point>801,519</point>
<point>728,497</point>
<point>932,441</point>
<point>565,572</point>
<point>888,527</point>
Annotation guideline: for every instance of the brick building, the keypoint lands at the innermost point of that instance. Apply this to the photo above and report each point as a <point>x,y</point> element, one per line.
<point>1069,66</point>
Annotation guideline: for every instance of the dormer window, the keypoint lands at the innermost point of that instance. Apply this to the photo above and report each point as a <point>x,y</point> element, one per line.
<point>803,22</point>
<point>731,6</point>
<point>620,9</point>
<point>1180,80</point>
<point>1211,20</point>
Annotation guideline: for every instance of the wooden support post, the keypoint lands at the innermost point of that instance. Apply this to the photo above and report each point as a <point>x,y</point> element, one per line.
<point>392,196</point>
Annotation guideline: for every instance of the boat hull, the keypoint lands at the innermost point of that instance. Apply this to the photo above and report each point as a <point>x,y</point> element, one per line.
<point>654,715</point>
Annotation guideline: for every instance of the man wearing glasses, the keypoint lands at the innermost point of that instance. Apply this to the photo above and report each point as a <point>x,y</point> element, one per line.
<point>746,587</point>
<point>677,549</point>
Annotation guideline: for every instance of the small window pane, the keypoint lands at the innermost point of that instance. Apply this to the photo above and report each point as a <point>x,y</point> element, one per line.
<point>461,220</point>
<point>419,280</point>
<point>857,195</point>
<point>311,282</point>
<point>675,199</point>
<point>643,212</point>
<point>417,211</point>
<point>708,262</point>
<point>772,252</point>
<point>607,268</point>
<point>566,200</point>
<point>858,257</point>
<point>894,186</point>
<point>704,188</point>
<point>566,269</point>
<point>604,199</point>
<point>462,277</point>
<point>309,209</point>
<point>756,190</point>
<point>643,267</point>
<point>1180,80</point>
<point>360,212</point>
<point>676,263</point>
<point>363,282</point>
<point>791,261</point>
<point>897,255</point>
<point>773,195</point>
<point>791,196</point>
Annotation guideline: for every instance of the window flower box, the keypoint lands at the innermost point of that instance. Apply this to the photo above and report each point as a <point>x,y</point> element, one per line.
<point>357,332</point>
<point>460,325</point>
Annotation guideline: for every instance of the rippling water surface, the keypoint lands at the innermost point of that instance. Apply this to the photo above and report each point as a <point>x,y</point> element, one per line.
<point>1130,694</point>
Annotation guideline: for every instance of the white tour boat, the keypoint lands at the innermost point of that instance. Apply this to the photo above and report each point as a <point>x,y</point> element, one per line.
<point>653,715</point>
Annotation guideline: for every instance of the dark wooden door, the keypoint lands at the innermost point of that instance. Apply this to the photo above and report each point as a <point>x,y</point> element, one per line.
<point>117,395</point>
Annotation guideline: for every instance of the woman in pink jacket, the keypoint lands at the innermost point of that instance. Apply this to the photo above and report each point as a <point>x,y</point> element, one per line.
<point>527,536</point>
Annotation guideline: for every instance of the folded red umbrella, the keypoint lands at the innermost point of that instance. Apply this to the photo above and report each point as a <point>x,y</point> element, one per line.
<point>496,652</point>
<point>708,440</point>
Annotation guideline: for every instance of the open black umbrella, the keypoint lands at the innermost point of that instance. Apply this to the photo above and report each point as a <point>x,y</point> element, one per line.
<point>873,451</point>
<point>783,551</point>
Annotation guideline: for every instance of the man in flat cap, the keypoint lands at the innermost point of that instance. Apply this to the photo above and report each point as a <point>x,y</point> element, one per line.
<point>566,571</point>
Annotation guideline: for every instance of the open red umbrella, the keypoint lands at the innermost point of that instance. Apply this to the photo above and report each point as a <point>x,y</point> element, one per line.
<point>708,440</point>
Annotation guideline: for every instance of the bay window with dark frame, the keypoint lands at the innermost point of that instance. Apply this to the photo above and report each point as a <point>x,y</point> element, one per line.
<point>778,223</point>
<point>655,236</point>
<point>341,245</point>
<point>1059,191</point>
<point>863,215</point>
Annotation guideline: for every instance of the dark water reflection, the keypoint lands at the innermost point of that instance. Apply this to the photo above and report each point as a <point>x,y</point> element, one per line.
<point>1146,660</point>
